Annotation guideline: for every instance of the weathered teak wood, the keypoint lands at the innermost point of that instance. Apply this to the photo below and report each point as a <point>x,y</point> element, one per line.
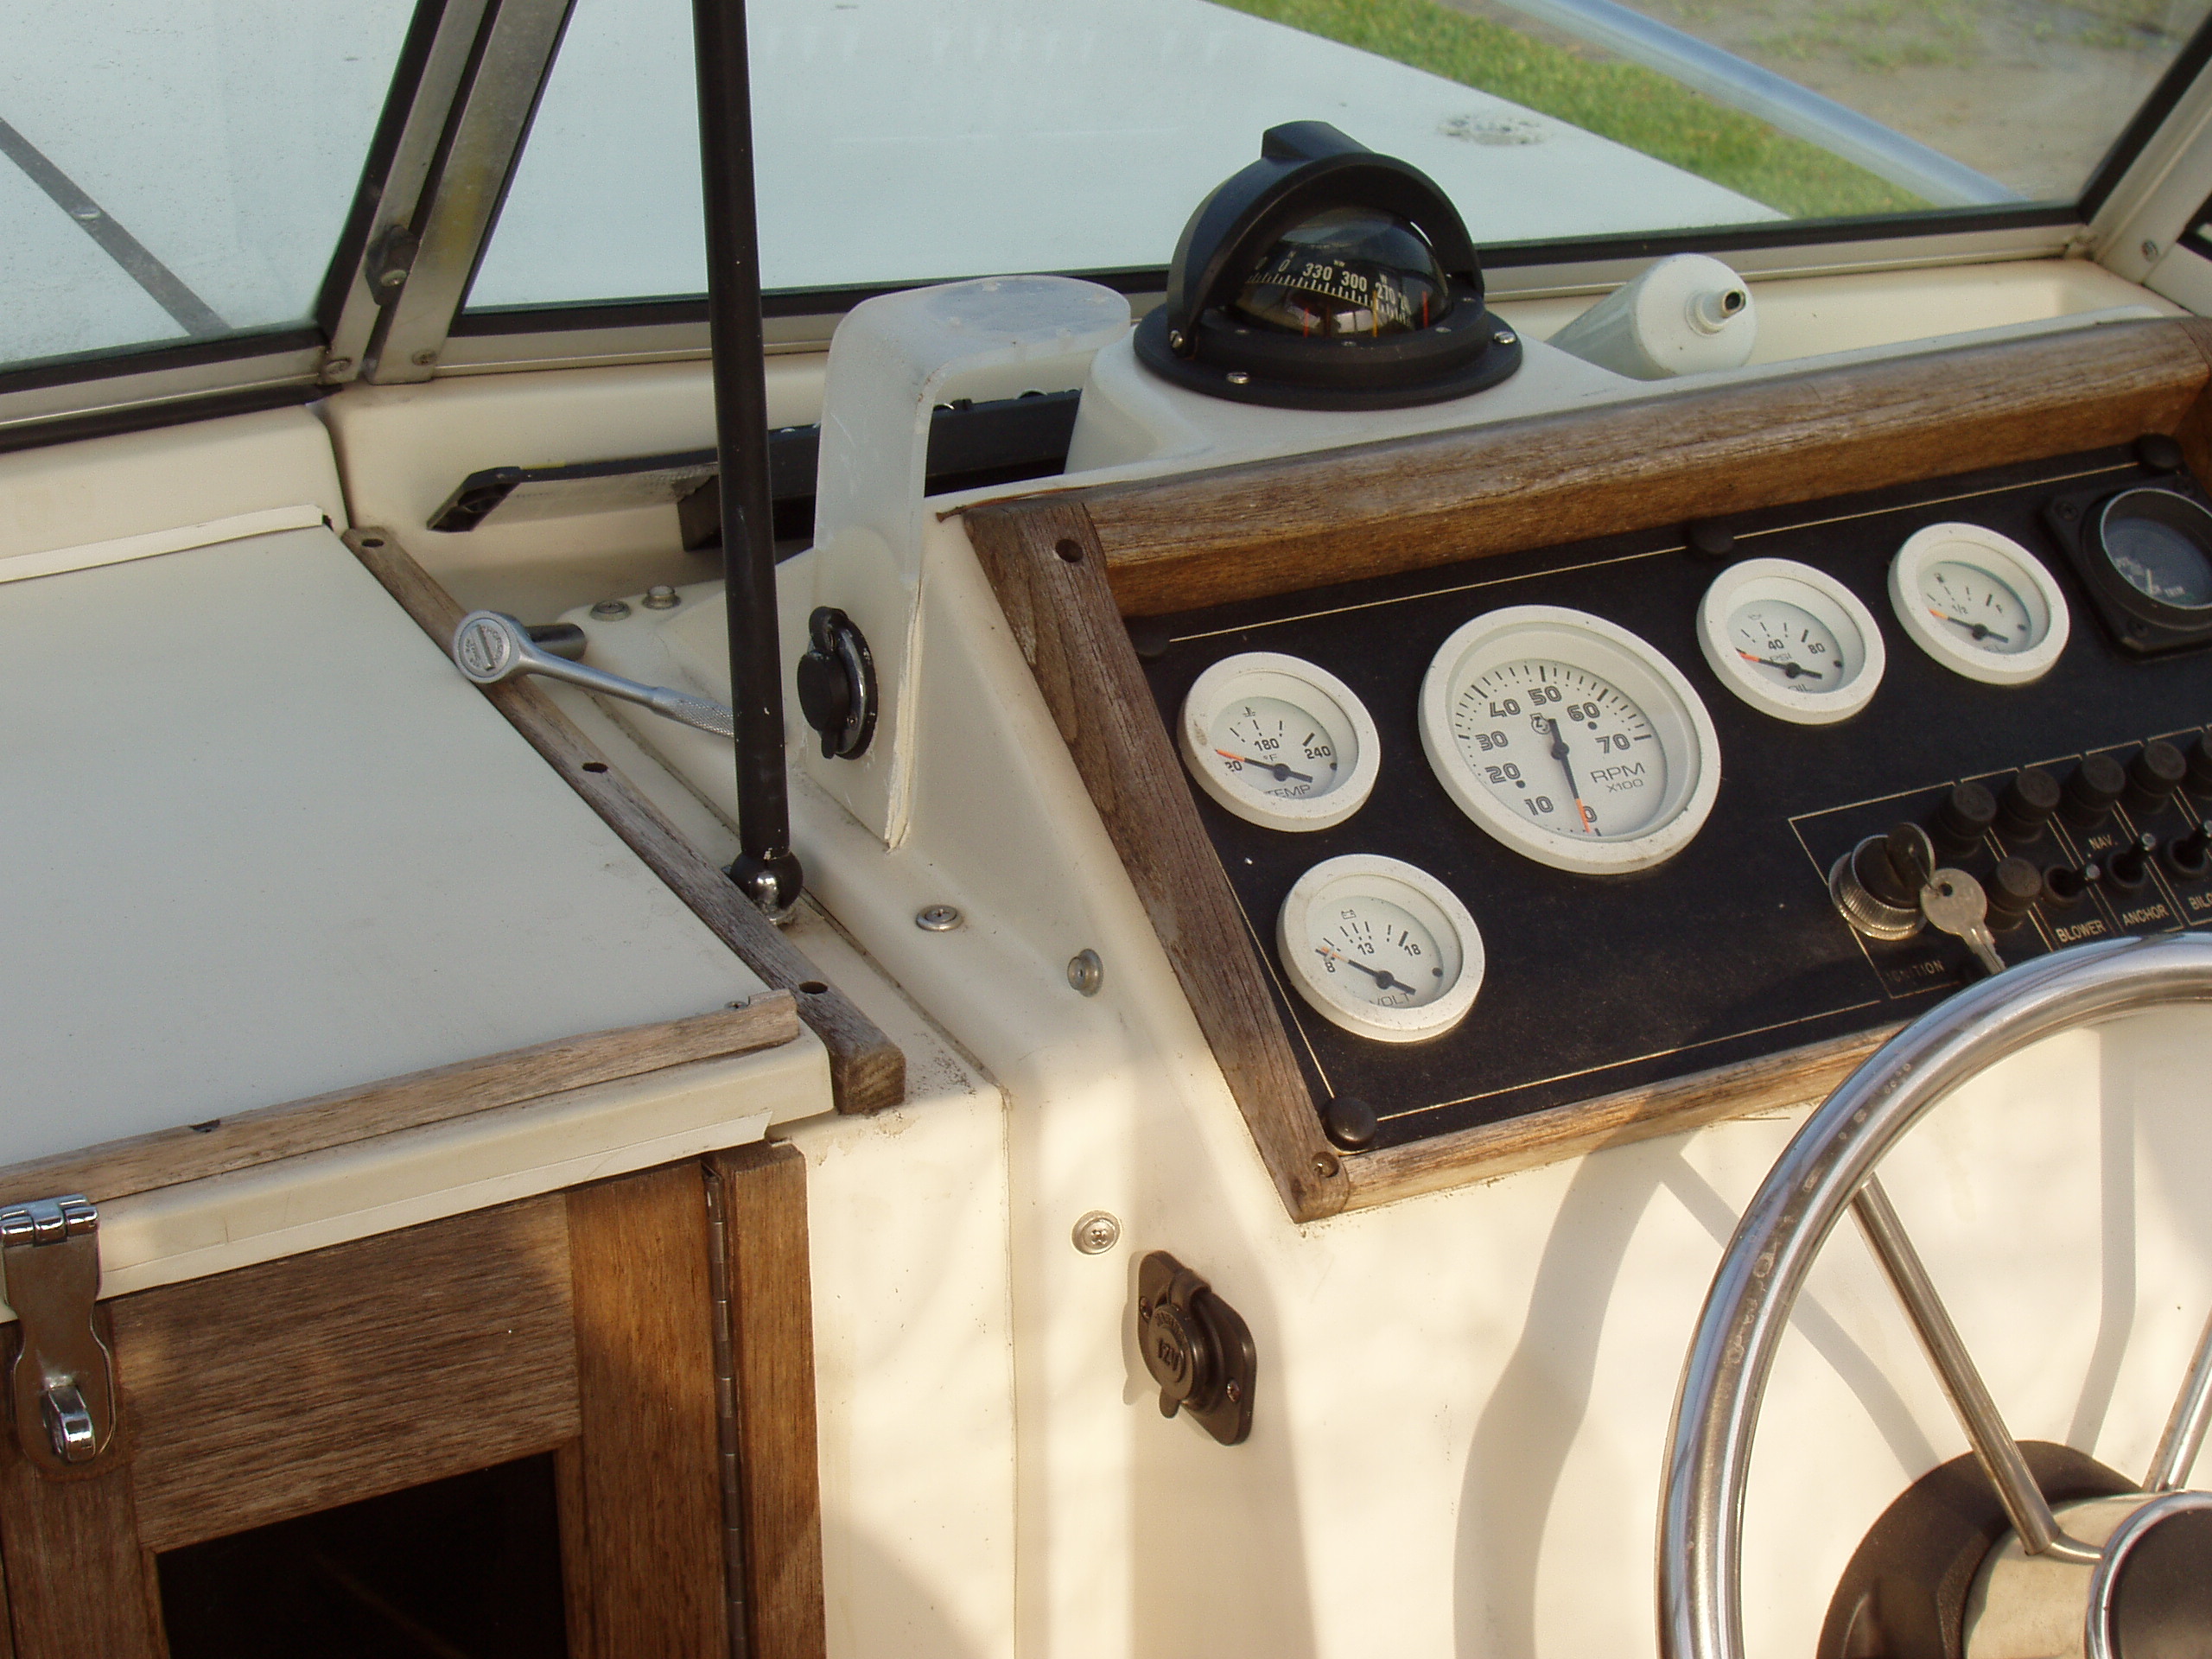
<point>1302,521</point>
<point>298,1385</point>
<point>1045,565</point>
<point>772,1350</point>
<point>346,1116</point>
<point>1282,525</point>
<point>867,1071</point>
<point>80,1584</point>
<point>647,1466</point>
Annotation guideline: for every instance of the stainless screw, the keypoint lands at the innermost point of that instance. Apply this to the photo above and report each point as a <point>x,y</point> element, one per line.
<point>2150,248</point>
<point>662,597</point>
<point>1086,973</point>
<point>1234,1390</point>
<point>336,366</point>
<point>1239,377</point>
<point>1174,339</point>
<point>424,359</point>
<point>1097,1233</point>
<point>937,919</point>
<point>1503,336</point>
<point>610,610</point>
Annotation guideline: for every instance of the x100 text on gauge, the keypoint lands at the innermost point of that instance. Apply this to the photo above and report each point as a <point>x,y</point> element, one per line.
<point>1570,740</point>
<point>1791,641</point>
<point>1279,742</point>
<point>1380,947</point>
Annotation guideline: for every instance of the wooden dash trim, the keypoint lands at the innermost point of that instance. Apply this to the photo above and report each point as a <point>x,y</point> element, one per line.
<point>347,1116</point>
<point>1296,521</point>
<point>1769,1083</point>
<point>771,1349</point>
<point>301,1384</point>
<point>1044,563</point>
<point>867,1071</point>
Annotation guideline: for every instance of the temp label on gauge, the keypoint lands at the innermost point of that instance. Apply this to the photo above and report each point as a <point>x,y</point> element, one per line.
<point>1562,746</point>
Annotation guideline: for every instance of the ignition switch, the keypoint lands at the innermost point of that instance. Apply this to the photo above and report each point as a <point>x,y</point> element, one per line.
<point>1197,1347</point>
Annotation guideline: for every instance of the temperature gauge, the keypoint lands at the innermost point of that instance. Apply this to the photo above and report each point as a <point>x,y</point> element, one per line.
<point>1979,603</point>
<point>1280,741</point>
<point>1791,641</point>
<point>1380,947</point>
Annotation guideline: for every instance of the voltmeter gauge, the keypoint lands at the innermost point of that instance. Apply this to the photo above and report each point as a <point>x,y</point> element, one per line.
<point>1791,641</point>
<point>1280,741</point>
<point>1570,740</point>
<point>1979,603</point>
<point>1380,947</point>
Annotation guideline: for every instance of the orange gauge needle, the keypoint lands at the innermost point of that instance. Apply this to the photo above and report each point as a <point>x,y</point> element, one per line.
<point>1573,789</point>
<point>1793,669</point>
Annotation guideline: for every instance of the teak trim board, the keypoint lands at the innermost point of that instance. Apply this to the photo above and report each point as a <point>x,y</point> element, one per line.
<point>169,1157</point>
<point>1069,566</point>
<point>867,1071</point>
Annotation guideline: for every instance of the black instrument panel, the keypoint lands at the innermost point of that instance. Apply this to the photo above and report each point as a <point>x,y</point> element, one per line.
<point>1732,949</point>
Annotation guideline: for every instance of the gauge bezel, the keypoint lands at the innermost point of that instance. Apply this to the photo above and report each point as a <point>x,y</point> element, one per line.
<point>1832,604</point>
<point>1246,673</point>
<point>2125,593</point>
<point>1414,890</point>
<point>1987,551</point>
<point>1632,665</point>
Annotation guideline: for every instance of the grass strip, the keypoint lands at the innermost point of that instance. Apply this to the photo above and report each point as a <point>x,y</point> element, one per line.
<point>1624,102</point>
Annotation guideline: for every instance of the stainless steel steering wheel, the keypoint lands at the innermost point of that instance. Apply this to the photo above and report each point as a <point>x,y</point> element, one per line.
<point>1827,1169</point>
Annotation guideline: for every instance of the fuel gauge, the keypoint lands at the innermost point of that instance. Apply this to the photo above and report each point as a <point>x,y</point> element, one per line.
<point>1979,603</point>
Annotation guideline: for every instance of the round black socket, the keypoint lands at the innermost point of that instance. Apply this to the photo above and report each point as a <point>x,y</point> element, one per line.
<point>1965,814</point>
<point>2090,791</point>
<point>2154,774</point>
<point>2013,888</point>
<point>2189,856</point>
<point>2159,452</point>
<point>2026,804</point>
<point>2130,867</point>
<point>2063,886</point>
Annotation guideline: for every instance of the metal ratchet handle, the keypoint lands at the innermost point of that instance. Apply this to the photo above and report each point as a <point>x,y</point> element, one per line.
<point>490,646</point>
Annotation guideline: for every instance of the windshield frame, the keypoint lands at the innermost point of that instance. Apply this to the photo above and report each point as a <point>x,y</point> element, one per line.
<point>487,62</point>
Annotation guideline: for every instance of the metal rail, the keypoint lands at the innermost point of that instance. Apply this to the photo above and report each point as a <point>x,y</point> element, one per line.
<point>1776,100</point>
<point>1818,1177</point>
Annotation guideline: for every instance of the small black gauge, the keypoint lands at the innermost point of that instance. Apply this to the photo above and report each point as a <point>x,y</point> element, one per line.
<point>2145,554</point>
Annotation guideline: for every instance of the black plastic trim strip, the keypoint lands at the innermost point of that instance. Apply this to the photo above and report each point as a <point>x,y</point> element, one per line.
<point>138,359</point>
<point>146,417</point>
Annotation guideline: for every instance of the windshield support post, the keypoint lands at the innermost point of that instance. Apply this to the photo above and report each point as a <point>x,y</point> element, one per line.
<point>766,868</point>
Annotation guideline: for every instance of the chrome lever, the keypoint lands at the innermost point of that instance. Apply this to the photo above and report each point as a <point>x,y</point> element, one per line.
<point>490,646</point>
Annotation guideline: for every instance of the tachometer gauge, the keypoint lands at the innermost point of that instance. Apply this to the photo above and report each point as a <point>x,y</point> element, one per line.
<point>1280,741</point>
<point>1380,947</point>
<point>1791,641</point>
<point>1979,603</point>
<point>1569,739</point>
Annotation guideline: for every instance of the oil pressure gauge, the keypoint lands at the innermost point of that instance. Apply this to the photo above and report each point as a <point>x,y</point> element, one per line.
<point>1979,603</point>
<point>1569,739</point>
<point>1380,949</point>
<point>1791,641</point>
<point>1279,742</point>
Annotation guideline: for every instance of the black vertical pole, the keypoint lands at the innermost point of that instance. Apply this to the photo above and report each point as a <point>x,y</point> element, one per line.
<point>767,868</point>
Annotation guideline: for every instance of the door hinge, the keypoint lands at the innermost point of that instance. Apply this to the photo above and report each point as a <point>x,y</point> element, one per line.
<point>62,1382</point>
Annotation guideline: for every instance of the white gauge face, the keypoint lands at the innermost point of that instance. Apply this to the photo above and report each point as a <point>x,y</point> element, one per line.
<point>1791,641</point>
<point>1562,746</point>
<point>1380,947</point>
<point>1569,739</point>
<point>1279,742</point>
<point>1979,603</point>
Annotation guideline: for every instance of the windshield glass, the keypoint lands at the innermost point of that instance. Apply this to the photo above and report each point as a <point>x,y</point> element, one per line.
<point>914,140</point>
<point>181,171</point>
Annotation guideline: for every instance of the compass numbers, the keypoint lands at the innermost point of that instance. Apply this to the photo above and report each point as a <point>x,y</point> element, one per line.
<point>1275,747</point>
<point>1786,645</point>
<point>1982,607</point>
<point>1377,952</point>
<point>1562,748</point>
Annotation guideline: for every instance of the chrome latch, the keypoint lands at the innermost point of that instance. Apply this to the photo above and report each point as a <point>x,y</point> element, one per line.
<point>62,1382</point>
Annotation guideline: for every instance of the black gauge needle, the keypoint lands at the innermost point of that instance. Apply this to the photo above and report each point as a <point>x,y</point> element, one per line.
<point>1280,770</point>
<point>1979,630</point>
<point>1559,754</point>
<point>1381,977</point>
<point>1793,669</point>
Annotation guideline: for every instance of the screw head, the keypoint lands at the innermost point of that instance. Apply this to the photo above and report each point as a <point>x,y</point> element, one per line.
<point>1175,341</point>
<point>662,597</point>
<point>937,919</point>
<point>2150,248</point>
<point>1503,336</point>
<point>610,610</point>
<point>336,366</point>
<point>1086,972</point>
<point>1239,377</point>
<point>425,358</point>
<point>1097,1233</point>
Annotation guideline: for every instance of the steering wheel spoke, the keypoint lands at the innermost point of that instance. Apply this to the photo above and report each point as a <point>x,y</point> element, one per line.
<point>1994,1448</point>
<point>2185,1424</point>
